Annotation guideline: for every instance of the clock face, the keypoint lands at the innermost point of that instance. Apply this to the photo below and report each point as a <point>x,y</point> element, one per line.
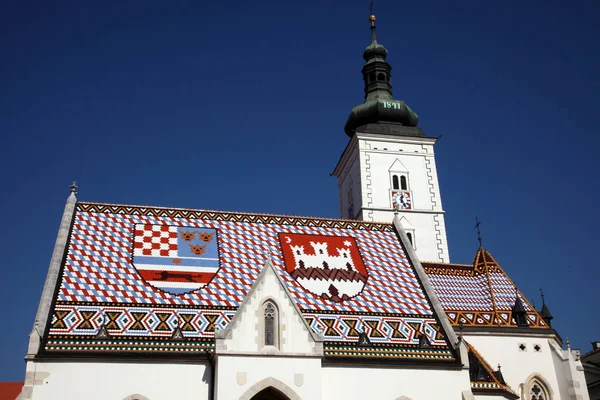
<point>401,200</point>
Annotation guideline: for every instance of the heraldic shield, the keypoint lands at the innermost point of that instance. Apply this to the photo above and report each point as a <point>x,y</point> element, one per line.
<point>329,266</point>
<point>175,259</point>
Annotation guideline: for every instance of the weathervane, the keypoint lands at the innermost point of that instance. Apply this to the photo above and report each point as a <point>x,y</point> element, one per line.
<point>371,4</point>
<point>479,232</point>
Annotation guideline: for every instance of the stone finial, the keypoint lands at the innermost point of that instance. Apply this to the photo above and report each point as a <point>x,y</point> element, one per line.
<point>74,188</point>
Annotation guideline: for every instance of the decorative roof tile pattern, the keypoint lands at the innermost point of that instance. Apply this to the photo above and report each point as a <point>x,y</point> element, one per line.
<point>140,274</point>
<point>480,294</point>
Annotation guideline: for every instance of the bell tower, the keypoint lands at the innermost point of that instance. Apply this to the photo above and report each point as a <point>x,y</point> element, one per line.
<point>389,165</point>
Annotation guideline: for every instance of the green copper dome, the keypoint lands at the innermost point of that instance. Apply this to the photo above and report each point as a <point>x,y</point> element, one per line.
<point>379,106</point>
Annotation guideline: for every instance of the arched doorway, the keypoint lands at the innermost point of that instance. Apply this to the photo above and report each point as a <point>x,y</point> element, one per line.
<point>270,389</point>
<point>270,393</point>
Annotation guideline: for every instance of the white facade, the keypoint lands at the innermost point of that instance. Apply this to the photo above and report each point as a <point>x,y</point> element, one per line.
<point>525,358</point>
<point>374,167</point>
<point>247,361</point>
<point>104,380</point>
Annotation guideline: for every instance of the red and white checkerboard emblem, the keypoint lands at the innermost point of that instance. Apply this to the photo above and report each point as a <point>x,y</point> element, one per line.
<point>329,266</point>
<point>156,241</point>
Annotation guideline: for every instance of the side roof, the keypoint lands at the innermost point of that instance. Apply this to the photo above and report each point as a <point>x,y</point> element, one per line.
<point>484,380</point>
<point>134,277</point>
<point>479,295</point>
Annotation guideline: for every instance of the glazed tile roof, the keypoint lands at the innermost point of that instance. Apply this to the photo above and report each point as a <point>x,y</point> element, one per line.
<point>133,276</point>
<point>480,294</point>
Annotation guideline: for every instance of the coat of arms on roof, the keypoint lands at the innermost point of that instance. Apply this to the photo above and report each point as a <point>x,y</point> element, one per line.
<point>175,259</point>
<point>328,266</point>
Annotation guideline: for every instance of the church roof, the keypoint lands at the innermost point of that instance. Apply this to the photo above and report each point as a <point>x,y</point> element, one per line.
<point>10,390</point>
<point>136,279</point>
<point>480,294</point>
<point>484,380</point>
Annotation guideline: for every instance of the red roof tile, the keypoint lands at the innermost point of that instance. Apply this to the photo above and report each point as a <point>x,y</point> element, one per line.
<point>10,390</point>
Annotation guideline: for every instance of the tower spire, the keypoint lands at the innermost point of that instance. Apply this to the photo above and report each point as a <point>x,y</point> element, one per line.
<point>545,312</point>
<point>519,313</point>
<point>380,111</point>
<point>372,19</point>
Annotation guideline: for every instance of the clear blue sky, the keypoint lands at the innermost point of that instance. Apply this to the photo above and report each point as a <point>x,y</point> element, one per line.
<point>240,106</point>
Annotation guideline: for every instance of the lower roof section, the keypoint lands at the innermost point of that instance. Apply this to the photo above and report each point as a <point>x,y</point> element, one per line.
<point>480,295</point>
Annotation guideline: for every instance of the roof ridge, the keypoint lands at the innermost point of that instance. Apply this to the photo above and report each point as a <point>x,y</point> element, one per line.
<point>248,213</point>
<point>501,270</point>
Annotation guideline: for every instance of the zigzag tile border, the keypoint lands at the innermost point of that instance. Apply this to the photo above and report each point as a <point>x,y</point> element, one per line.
<point>150,322</point>
<point>86,320</point>
<point>494,318</point>
<point>399,330</point>
<point>225,216</point>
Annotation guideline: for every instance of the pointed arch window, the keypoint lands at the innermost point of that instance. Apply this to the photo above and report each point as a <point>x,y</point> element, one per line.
<point>271,324</point>
<point>537,390</point>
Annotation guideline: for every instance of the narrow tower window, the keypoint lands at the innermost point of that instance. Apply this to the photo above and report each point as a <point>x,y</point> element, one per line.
<point>410,239</point>
<point>403,183</point>
<point>350,204</point>
<point>381,77</point>
<point>395,184</point>
<point>271,319</point>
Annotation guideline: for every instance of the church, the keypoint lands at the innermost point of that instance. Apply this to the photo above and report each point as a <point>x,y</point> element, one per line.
<point>152,303</point>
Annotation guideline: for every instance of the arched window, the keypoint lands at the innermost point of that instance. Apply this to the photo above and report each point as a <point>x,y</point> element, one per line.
<point>381,77</point>
<point>536,389</point>
<point>372,77</point>
<point>409,234</point>
<point>271,324</point>
<point>395,184</point>
<point>403,183</point>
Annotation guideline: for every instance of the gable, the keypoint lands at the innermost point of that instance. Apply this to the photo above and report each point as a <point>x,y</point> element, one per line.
<point>141,273</point>
<point>246,332</point>
<point>397,166</point>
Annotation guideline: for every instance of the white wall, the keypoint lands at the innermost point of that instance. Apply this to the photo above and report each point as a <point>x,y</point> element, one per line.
<point>238,374</point>
<point>391,383</point>
<point>350,179</point>
<point>550,362</point>
<point>118,380</point>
